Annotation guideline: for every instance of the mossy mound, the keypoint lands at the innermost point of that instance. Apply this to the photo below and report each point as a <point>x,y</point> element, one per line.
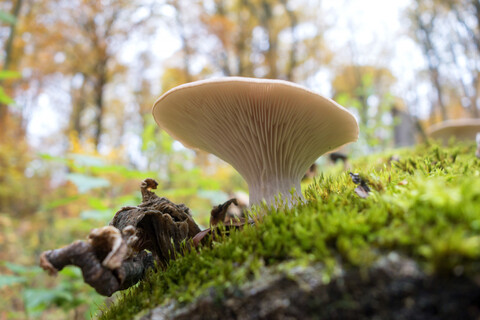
<point>424,206</point>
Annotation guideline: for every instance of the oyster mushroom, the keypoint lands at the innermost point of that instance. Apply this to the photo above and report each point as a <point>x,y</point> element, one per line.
<point>460,129</point>
<point>270,131</point>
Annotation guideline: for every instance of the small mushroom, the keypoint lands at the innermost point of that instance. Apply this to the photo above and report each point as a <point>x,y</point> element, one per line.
<point>109,246</point>
<point>337,156</point>
<point>270,131</point>
<point>239,209</point>
<point>311,172</point>
<point>460,129</point>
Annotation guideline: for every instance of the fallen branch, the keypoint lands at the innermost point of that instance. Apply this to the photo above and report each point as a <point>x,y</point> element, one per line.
<point>87,255</point>
<point>117,256</point>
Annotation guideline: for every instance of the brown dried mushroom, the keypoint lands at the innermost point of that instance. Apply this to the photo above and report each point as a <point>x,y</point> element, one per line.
<point>103,259</point>
<point>157,221</point>
<point>115,257</point>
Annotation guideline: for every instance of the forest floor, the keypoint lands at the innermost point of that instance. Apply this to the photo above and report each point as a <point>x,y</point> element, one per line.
<point>407,249</point>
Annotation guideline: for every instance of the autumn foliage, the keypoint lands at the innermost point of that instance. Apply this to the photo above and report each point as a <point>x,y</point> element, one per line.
<point>78,79</point>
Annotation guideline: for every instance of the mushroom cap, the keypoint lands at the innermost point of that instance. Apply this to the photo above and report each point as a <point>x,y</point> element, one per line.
<point>461,129</point>
<point>263,128</point>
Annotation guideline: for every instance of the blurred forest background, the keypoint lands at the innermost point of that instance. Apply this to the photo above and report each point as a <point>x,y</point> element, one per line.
<point>78,79</point>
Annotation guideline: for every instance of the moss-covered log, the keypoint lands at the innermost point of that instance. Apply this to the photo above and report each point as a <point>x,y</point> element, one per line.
<point>423,205</point>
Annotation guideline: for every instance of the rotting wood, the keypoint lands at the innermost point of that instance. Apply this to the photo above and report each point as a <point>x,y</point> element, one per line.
<point>117,256</point>
<point>90,256</point>
<point>219,217</point>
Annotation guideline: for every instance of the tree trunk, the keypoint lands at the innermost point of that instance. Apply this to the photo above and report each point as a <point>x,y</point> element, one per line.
<point>99,92</point>
<point>476,38</point>
<point>271,54</point>
<point>292,63</point>
<point>7,62</point>
<point>78,105</point>
<point>183,37</point>
<point>424,37</point>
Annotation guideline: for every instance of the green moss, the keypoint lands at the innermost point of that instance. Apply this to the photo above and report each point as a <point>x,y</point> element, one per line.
<point>426,205</point>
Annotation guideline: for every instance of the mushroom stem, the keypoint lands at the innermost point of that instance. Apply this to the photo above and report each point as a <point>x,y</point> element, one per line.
<point>268,190</point>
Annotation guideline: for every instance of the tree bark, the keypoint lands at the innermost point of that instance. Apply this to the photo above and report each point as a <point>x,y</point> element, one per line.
<point>424,37</point>
<point>7,62</point>
<point>99,102</point>
<point>78,105</point>
<point>183,37</point>
<point>292,63</point>
<point>271,54</point>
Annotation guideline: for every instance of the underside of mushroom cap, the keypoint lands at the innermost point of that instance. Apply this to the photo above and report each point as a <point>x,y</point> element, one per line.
<point>270,131</point>
<point>460,129</point>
